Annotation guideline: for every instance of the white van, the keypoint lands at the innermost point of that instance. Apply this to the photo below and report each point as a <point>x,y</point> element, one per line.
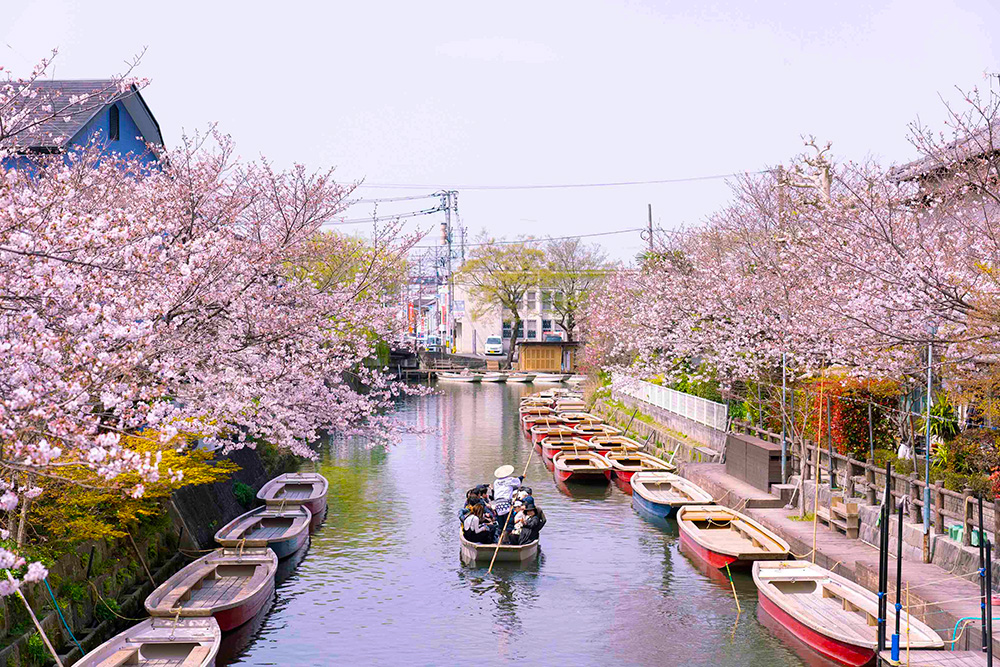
<point>494,345</point>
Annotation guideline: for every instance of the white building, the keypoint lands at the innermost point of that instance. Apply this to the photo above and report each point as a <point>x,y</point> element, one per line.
<point>538,320</point>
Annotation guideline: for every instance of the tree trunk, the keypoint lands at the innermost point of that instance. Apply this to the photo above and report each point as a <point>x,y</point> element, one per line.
<point>515,325</point>
<point>22,524</point>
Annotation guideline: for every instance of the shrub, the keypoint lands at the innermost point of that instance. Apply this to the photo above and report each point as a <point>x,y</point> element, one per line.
<point>245,495</point>
<point>107,610</point>
<point>36,651</point>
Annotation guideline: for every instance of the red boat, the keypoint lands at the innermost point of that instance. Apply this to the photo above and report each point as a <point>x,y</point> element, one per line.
<point>581,467</point>
<point>527,421</point>
<point>609,443</point>
<point>721,536</point>
<point>539,433</point>
<point>833,615</point>
<point>624,464</point>
<point>297,488</point>
<point>230,584</point>
<point>553,445</point>
<point>587,430</point>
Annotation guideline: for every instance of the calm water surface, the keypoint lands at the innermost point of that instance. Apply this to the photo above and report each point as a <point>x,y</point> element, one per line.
<point>382,582</point>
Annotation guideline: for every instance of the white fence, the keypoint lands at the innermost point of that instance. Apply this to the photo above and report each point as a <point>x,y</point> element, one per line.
<point>694,408</point>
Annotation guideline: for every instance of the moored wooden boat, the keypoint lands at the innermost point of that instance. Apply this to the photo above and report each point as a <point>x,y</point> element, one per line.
<point>721,536</point>
<point>297,488</point>
<point>663,493</point>
<point>588,430</point>
<point>493,377</point>
<point>520,377</point>
<point>230,584</point>
<point>576,379</point>
<point>608,443</point>
<point>552,445</point>
<point>535,410</point>
<point>624,464</point>
<point>830,613</point>
<point>508,553</point>
<point>445,376</point>
<point>283,530</point>
<point>573,466</point>
<point>539,433</point>
<point>185,642</point>
<point>570,405</point>
<point>578,417</point>
<point>548,378</point>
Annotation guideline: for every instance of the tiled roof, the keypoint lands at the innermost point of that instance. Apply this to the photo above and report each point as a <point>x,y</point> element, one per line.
<point>69,115</point>
<point>973,145</point>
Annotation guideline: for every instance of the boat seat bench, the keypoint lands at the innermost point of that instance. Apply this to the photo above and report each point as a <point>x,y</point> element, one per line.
<point>128,656</point>
<point>197,656</point>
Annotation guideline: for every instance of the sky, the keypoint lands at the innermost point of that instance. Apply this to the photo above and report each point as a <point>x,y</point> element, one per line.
<point>475,96</point>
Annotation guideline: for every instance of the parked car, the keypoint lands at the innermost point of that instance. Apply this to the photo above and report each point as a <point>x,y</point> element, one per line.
<point>432,343</point>
<point>494,345</point>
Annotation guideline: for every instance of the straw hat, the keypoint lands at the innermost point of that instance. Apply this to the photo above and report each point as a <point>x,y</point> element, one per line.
<point>503,471</point>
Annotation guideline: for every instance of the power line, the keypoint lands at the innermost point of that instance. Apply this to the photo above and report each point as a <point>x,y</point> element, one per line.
<point>552,238</point>
<point>379,200</point>
<point>556,186</point>
<point>395,216</point>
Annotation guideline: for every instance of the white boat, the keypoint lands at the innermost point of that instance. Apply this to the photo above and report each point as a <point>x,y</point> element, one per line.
<point>493,377</point>
<point>473,552</point>
<point>520,377</point>
<point>549,378</point>
<point>180,642</point>
<point>576,379</point>
<point>444,376</point>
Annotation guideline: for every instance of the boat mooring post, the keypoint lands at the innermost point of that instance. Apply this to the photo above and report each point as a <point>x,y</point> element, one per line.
<point>883,559</point>
<point>899,576</point>
<point>982,576</point>
<point>784,421</point>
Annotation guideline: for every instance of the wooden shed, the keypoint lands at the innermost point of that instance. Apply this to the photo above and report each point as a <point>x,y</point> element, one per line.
<point>550,356</point>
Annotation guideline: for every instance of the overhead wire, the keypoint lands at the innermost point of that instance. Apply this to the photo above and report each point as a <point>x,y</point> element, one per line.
<point>564,186</point>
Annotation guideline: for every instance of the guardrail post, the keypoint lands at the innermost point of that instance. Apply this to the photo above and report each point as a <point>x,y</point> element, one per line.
<point>914,496</point>
<point>996,518</point>
<point>968,521</point>
<point>849,482</point>
<point>870,482</point>
<point>939,508</point>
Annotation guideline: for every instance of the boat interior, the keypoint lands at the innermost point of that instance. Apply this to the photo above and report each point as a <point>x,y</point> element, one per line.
<point>158,654</point>
<point>666,491</point>
<point>212,584</point>
<point>729,533</point>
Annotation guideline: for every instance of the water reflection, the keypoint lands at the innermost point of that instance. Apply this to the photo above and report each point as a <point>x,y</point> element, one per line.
<point>383,582</point>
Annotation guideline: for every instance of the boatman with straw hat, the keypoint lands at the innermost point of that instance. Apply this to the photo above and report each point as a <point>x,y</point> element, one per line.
<point>503,494</point>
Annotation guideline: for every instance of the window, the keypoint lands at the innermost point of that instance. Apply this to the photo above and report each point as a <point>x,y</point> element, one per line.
<point>520,329</point>
<point>533,330</point>
<point>546,326</point>
<point>113,130</point>
<point>506,329</point>
<point>546,301</point>
<point>532,299</point>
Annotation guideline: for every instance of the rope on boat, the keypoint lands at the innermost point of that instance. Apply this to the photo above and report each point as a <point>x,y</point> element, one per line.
<point>177,619</point>
<point>62,618</point>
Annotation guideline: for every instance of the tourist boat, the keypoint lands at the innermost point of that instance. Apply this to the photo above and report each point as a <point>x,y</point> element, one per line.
<point>230,584</point>
<point>721,536</point>
<point>538,433</point>
<point>297,488</point>
<point>473,552</point>
<point>608,443</point>
<point>444,376</point>
<point>572,466</point>
<point>553,445</point>
<point>183,642</point>
<point>549,378</point>
<point>578,417</point>
<point>588,430</point>
<point>830,613</point>
<point>527,421</point>
<point>493,377</point>
<point>283,530</point>
<point>625,464</point>
<point>663,493</point>
<point>520,377</point>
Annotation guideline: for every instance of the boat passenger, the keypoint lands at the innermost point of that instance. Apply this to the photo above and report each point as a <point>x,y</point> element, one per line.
<point>503,488</point>
<point>534,521</point>
<point>476,527</point>
<point>471,498</point>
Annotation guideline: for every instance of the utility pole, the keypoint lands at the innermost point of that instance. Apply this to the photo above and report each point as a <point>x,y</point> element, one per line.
<point>649,229</point>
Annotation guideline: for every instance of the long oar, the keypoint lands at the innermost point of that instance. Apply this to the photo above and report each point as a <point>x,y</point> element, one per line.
<point>504,531</point>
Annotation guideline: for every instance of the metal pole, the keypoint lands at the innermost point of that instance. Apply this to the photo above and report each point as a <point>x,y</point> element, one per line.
<point>982,575</point>
<point>927,447</point>
<point>784,421</point>
<point>989,604</point>
<point>883,556</point>
<point>899,576</point>
<point>829,445</point>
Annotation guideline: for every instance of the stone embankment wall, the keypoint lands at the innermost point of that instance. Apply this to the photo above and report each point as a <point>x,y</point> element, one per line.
<point>102,586</point>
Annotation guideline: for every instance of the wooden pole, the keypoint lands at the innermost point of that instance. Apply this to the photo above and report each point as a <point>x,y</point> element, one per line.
<point>34,619</point>
<point>505,523</point>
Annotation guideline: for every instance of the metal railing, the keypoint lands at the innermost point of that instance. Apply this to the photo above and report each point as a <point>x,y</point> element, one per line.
<point>695,408</point>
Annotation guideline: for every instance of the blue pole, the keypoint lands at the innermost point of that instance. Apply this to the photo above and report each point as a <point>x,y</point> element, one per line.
<point>927,447</point>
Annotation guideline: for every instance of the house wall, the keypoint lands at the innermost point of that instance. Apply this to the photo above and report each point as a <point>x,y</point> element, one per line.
<point>474,330</point>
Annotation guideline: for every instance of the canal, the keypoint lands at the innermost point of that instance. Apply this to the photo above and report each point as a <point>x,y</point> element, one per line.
<point>382,582</point>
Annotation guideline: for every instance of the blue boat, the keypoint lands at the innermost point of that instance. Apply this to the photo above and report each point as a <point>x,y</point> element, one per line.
<point>660,494</point>
<point>284,530</point>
